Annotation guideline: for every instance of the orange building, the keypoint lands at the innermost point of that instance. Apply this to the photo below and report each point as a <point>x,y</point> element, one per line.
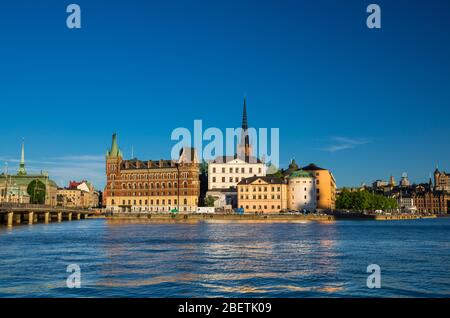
<point>325,187</point>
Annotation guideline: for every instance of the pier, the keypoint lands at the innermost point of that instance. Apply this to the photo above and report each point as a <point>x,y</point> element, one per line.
<point>15,214</point>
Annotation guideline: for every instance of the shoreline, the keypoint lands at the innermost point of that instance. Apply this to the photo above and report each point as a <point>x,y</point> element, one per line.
<point>253,218</point>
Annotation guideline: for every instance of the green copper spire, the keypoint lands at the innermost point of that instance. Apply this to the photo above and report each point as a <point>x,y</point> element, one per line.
<point>22,171</point>
<point>114,152</point>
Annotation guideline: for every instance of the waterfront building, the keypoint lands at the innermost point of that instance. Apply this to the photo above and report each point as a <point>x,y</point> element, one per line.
<point>406,204</point>
<point>16,188</point>
<point>225,172</point>
<point>325,187</point>
<point>79,195</point>
<point>262,194</point>
<point>151,186</point>
<point>302,191</point>
<point>441,180</point>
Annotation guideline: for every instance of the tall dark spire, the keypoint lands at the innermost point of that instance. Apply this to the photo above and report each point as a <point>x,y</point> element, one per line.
<point>244,117</point>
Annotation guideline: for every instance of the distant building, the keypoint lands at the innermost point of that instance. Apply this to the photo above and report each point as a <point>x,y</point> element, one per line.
<point>14,187</point>
<point>406,204</point>
<point>262,194</point>
<point>441,180</point>
<point>379,184</point>
<point>151,186</point>
<point>78,194</point>
<point>302,191</point>
<point>404,181</point>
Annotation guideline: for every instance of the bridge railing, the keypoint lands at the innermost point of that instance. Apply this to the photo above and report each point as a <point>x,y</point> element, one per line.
<point>36,206</point>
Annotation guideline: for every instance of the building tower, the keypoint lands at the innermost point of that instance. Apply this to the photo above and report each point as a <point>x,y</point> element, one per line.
<point>392,181</point>
<point>22,171</point>
<point>244,147</point>
<point>113,161</point>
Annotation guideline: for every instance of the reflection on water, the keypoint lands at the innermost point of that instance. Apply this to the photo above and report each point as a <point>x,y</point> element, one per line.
<point>309,259</point>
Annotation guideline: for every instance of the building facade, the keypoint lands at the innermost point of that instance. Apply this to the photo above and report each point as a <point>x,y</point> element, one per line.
<point>78,195</point>
<point>227,172</point>
<point>262,194</point>
<point>25,187</point>
<point>325,187</point>
<point>151,186</point>
<point>441,180</point>
<point>302,191</point>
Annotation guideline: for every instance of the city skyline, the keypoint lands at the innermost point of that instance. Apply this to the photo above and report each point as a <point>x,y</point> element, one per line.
<point>367,104</point>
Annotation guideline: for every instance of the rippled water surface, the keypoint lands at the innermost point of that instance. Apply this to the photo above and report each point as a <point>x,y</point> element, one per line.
<point>231,259</point>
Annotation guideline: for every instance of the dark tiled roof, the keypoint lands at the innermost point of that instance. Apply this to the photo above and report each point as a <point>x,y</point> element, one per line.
<point>312,167</point>
<point>225,159</point>
<point>270,180</point>
<point>150,164</point>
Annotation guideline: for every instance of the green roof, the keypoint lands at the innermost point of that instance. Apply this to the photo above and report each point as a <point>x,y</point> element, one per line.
<point>300,174</point>
<point>25,180</point>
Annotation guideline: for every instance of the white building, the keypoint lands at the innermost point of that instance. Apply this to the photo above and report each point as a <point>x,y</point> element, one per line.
<point>406,204</point>
<point>227,172</point>
<point>302,191</point>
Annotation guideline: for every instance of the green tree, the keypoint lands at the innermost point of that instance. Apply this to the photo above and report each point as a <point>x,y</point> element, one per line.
<point>209,201</point>
<point>364,200</point>
<point>36,190</point>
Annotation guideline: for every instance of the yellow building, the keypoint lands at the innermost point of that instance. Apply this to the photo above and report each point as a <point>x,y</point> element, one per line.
<point>78,195</point>
<point>151,186</point>
<point>325,187</point>
<point>262,194</point>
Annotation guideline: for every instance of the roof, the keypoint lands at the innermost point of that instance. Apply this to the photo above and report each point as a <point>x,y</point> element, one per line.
<point>226,159</point>
<point>312,167</point>
<point>267,179</point>
<point>301,174</point>
<point>25,180</point>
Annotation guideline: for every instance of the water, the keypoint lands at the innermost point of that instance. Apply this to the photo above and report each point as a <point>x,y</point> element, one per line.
<point>230,260</point>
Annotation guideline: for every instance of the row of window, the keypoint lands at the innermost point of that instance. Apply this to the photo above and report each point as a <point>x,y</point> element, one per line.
<point>156,185</point>
<point>259,197</point>
<point>259,189</point>
<point>157,176</point>
<point>152,202</point>
<point>260,207</point>
<point>128,193</point>
<point>237,170</point>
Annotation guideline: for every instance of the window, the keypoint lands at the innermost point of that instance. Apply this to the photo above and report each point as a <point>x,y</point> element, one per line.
<point>250,170</point>
<point>242,170</point>
<point>214,170</point>
<point>223,170</point>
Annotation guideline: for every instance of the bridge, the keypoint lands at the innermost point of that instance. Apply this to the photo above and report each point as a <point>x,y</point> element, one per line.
<point>12,213</point>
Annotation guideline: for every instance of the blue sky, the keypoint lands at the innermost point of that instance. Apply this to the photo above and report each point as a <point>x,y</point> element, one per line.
<point>364,103</point>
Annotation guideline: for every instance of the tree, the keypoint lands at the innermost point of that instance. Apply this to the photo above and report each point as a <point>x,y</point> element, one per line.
<point>364,200</point>
<point>209,201</point>
<point>36,190</point>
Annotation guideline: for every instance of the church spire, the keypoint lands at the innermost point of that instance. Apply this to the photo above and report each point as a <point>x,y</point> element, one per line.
<point>114,152</point>
<point>244,116</point>
<point>244,147</point>
<point>22,171</point>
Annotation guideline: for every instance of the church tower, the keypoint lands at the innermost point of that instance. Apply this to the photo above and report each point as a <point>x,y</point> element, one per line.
<point>244,148</point>
<point>113,161</point>
<point>22,171</point>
